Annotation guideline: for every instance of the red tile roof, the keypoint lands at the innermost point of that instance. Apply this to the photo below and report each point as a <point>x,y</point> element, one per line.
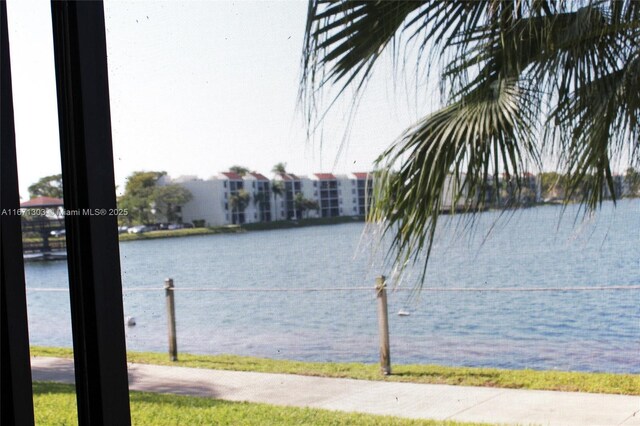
<point>42,202</point>
<point>232,175</point>
<point>324,176</point>
<point>289,176</point>
<point>258,176</point>
<point>362,175</point>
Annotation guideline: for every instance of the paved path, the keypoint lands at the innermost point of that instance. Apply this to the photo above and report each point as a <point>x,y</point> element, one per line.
<point>420,401</point>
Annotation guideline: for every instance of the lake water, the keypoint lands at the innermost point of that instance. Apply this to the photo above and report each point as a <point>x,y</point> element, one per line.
<point>586,331</point>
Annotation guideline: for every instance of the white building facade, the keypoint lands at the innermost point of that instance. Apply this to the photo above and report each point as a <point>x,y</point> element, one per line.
<point>229,198</point>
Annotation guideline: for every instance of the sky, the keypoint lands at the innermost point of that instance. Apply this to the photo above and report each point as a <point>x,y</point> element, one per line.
<point>196,87</point>
<point>199,86</point>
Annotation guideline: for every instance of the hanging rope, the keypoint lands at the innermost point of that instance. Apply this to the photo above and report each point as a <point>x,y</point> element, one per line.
<point>305,290</point>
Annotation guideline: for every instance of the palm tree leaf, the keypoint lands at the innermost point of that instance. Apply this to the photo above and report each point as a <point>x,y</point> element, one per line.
<point>509,69</point>
<point>470,136</point>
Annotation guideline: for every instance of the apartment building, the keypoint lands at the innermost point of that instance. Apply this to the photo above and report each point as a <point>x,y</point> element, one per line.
<point>361,192</point>
<point>329,198</point>
<point>259,187</point>
<point>208,201</point>
<point>229,198</point>
<point>291,185</point>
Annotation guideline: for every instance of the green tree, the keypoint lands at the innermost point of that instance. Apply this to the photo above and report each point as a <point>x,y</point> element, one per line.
<point>632,179</point>
<point>48,186</point>
<point>304,205</point>
<point>277,189</point>
<point>138,197</point>
<point>239,203</point>
<point>241,170</point>
<point>279,169</point>
<point>147,201</point>
<point>553,185</point>
<point>509,70</point>
<point>168,198</point>
<point>260,198</point>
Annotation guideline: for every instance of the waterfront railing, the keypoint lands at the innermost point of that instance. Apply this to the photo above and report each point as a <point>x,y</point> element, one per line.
<point>380,290</point>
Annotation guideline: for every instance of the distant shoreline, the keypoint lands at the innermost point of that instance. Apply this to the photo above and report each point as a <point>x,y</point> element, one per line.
<point>239,229</point>
<point>301,223</point>
<point>286,224</point>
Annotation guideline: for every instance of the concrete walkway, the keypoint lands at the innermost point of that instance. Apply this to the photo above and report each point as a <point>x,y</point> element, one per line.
<point>419,401</point>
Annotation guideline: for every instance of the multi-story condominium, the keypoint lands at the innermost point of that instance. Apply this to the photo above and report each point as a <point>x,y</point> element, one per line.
<point>328,199</point>
<point>291,186</point>
<point>230,198</point>
<point>259,187</point>
<point>233,185</point>
<point>207,203</point>
<point>361,193</point>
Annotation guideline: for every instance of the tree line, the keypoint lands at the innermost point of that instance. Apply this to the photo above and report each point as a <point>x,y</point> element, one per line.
<point>144,199</point>
<point>557,186</point>
<point>148,202</point>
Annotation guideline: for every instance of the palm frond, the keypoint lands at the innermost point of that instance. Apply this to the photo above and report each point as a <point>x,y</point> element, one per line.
<point>459,147</point>
<point>508,70</point>
<point>597,122</point>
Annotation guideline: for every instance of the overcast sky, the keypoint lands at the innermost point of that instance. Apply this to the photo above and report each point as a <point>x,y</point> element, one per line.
<point>197,87</point>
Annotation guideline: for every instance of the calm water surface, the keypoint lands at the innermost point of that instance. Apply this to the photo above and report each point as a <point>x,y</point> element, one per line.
<point>587,331</point>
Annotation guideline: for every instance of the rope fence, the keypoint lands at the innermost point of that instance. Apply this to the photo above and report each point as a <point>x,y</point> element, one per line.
<point>380,289</point>
<point>303,290</point>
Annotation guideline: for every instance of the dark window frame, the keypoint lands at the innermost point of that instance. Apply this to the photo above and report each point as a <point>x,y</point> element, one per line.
<point>95,287</point>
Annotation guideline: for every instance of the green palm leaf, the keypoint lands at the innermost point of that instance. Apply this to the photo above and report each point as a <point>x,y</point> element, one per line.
<point>510,70</point>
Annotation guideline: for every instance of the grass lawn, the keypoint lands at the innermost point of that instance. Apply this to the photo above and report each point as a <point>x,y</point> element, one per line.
<point>627,384</point>
<point>55,404</point>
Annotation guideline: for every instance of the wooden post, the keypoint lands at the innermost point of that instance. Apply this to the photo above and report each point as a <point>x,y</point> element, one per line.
<point>171,318</point>
<point>383,326</point>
